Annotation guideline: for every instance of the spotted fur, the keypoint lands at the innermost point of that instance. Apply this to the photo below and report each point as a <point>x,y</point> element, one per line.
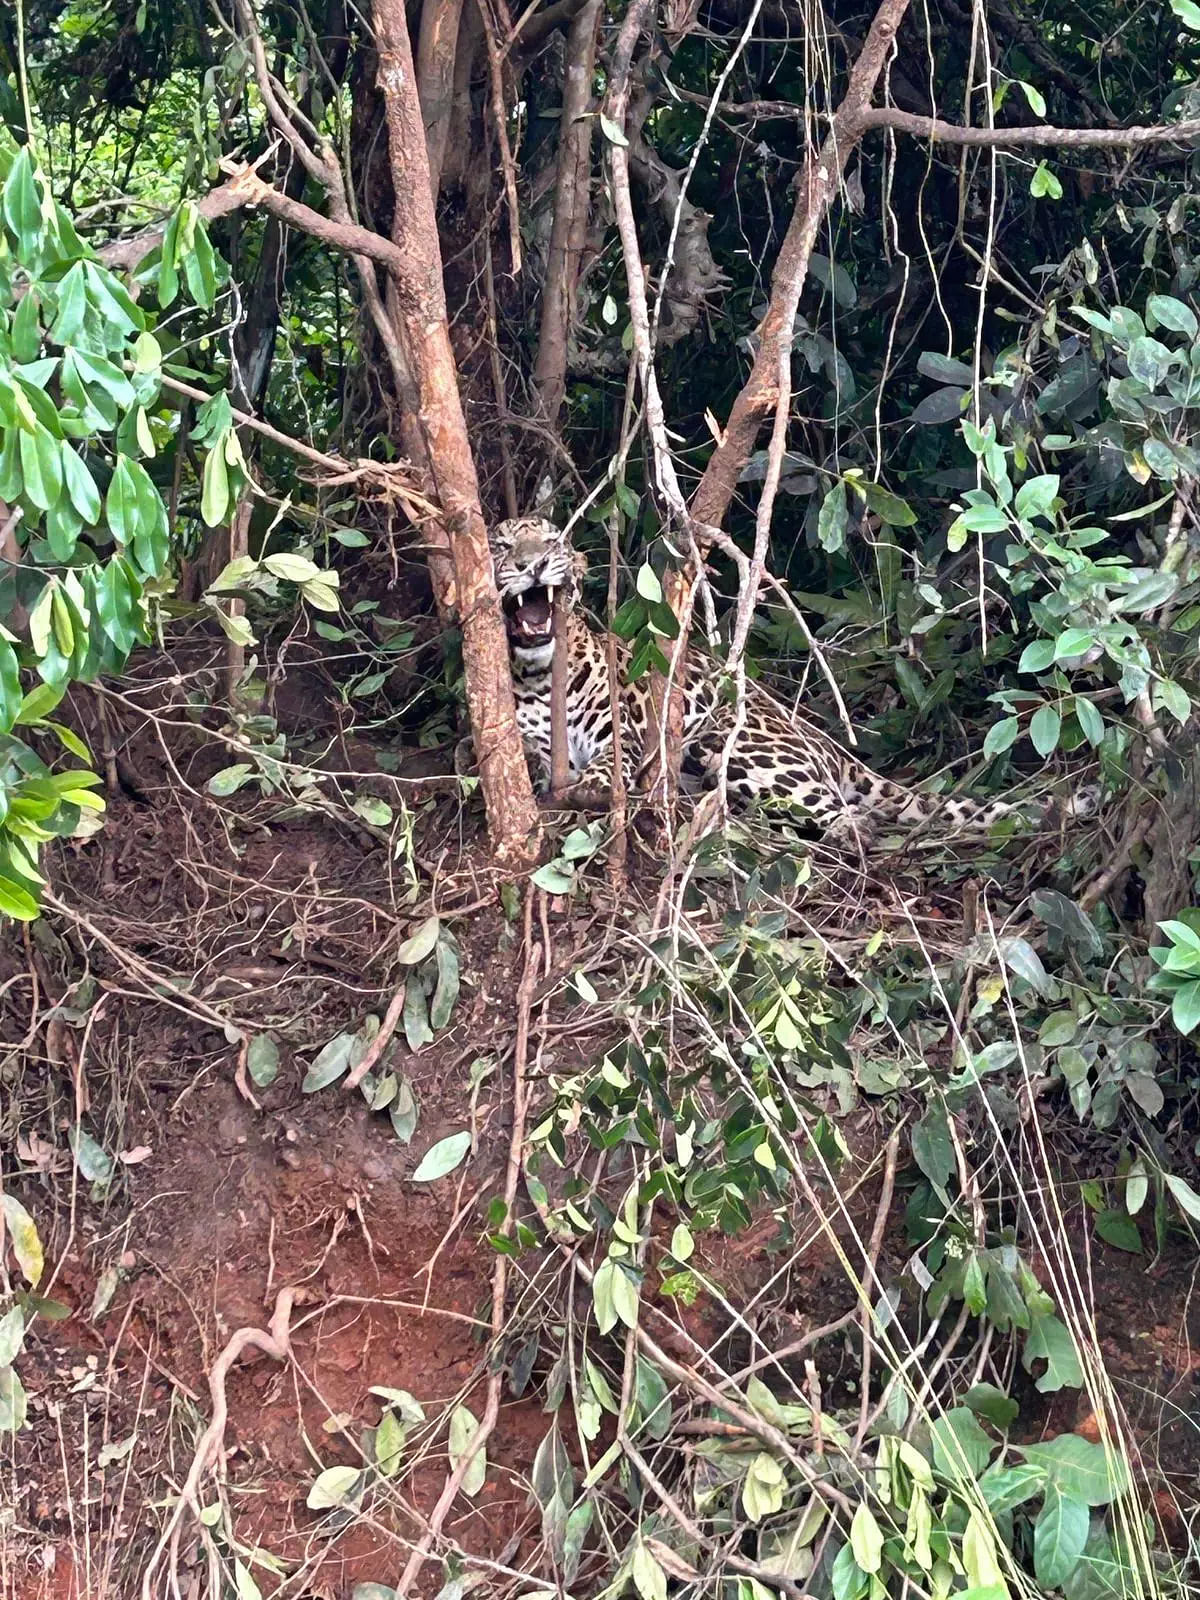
<point>778,755</point>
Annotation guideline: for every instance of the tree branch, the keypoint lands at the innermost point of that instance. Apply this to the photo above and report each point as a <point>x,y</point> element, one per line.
<point>1036,134</point>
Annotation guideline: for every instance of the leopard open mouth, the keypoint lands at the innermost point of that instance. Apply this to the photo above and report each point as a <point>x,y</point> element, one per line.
<point>529,616</point>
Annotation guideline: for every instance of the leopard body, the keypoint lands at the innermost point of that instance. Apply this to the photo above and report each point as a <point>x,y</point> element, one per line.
<point>777,755</point>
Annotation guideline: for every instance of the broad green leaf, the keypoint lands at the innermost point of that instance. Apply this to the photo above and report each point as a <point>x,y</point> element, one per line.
<point>991,1403</point>
<point>230,779</point>
<point>961,1449</point>
<point>866,1538</point>
<point>553,879</point>
<point>1080,1469</point>
<point>1049,1340</point>
<point>890,508</point>
<point>1020,957</point>
<point>1163,310</point>
<point>1001,736</point>
<point>1036,496</point>
<point>333,1487</point>
<point>1044,729</point>
<point>1089,720</point>
<point>1059,1535</point>
<point>331,1062</point>
<point>80,485</point>
<point>215,492</point>
<point>1036,657</point>
<point>1044,183</point>
<point>932,1148</point>
<point>1185,1007</point>
<point>1117,1228</point>
<point>442,1157</point>
<point>93,1161</point>
<point>1005,1488</point>
<point>390,1437</point>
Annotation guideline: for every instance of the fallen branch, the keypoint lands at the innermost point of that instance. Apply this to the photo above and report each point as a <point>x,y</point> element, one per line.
<point>275,1342</point>
<point>381,1040</point>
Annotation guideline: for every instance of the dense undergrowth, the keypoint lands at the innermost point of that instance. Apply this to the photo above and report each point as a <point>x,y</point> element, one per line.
<point>962,1076</point>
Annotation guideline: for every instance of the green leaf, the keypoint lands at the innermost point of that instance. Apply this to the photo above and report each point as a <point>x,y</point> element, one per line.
<point>960,1446</point>
<point>1036,496</point>
<point>10,686</point>
<point>1044,729</point>
<point>80,485</point>
<point>121,504</point>
<point>1001,736</point>
<point>1005,1488</point>
<point>1020,957</point>
<point>890,508</point>
<point>419,944</point>
<point>1080,1469</point>
<point>649,1579</point>
<point>262,1060</point>
<point>331,1062</point>
<point>833,519</point>
<point>1073,642</point>
<point>932,1148</point>
<point>445,996</point>
<point>1049,1340</point>
<point>12,1335</point>
<point>230,779</point>
<point>1036,657</point>
<point>333,1487</point>
<point>866,1539</point>
<point>93,1161</point>
<point>554,879</point>
<point>463,1429</point>
<point>1059,1535</point>
<point>1118,1229</point>
<point>1188,13</point>
<point>1186,1197</point>
<point>1044,183</point>
<point>14,1405</point>
<point>944,369</point>
<point>215,493</point>
<point>442,1157</point>
<point>390,1437</point>
<point>1163,310</point>
<point>22,203</point>
<point>1035,98</point>
<point>1185,1007</point>
<point>991,1403</point>
<point>1089,720</point>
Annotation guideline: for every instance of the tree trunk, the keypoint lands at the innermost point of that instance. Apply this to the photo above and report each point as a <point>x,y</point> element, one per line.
<point>421,305</point>
<point>569,229</point>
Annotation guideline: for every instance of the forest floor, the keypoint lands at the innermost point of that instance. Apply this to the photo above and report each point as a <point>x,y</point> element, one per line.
<point>223,1192</point>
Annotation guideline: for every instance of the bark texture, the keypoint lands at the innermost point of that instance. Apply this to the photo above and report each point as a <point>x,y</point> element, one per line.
<point>420,299</point>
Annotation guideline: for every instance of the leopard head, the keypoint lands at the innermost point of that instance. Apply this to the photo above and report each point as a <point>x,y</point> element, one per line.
<point>532,560</point>
<point>530,553</point>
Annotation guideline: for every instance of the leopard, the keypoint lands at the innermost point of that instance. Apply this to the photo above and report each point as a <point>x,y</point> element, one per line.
<point>779,756</point>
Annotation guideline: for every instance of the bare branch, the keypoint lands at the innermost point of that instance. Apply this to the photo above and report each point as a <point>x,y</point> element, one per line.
<point>1037,135</point>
